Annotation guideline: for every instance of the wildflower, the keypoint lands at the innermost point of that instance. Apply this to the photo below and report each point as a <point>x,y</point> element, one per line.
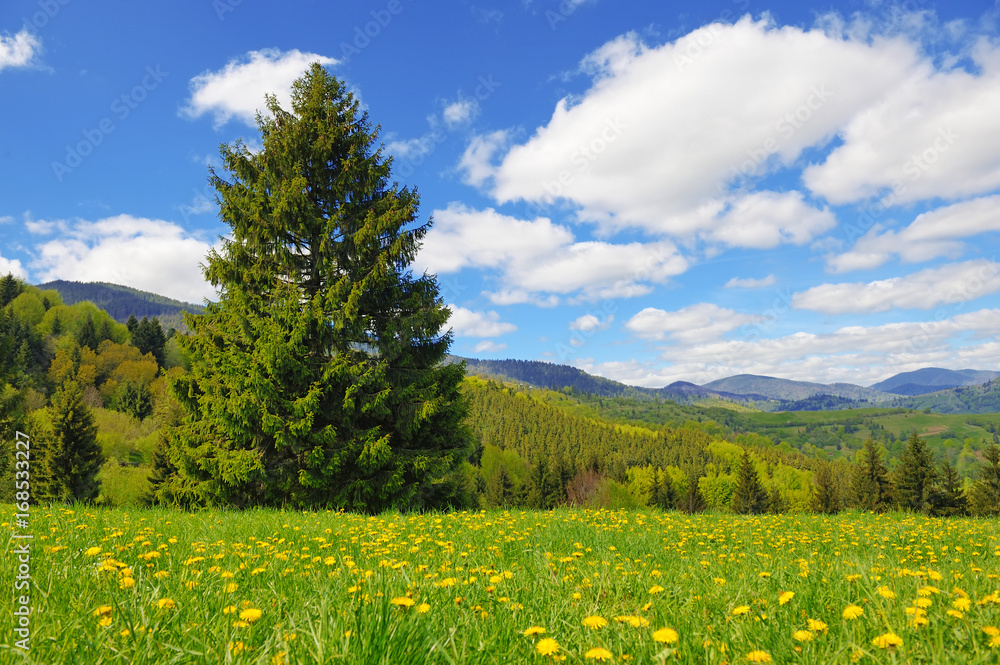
<point>597,653</point>
<point>928,590</point>
<point>816,625</point>
<point>547,647</point>
<point>758,656</point>
<point>229,609</point>
<point>887,641</point>
<point>166,604</point>
<point>236,647</point>
<point>992,631</point>
<point>634,621</point>
<point>231,587</point>
<point>961,604</point>
<point>803,635</point>
<point>103,610</point>
<point>923,603</point>
<point>403,601</point>
<point>656,588</point>
<point>251,614</point>
<point>534,630</point>
<point>741,609</point>
<point>595,622</point>
<point>666,635</point>
<point>785,597</point>
<point>423,608</point>
<point>994,641</point>
<point>852,612</point>
<point>920,620</point>
<point>886,592</point>
<point>955,613</point>
<point>93,551</point>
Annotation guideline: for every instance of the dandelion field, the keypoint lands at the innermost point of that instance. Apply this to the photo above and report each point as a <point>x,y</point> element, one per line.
<point>574,586</point>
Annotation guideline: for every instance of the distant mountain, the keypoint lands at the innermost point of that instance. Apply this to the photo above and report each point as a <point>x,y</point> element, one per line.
<point>982,398</point>
<point>933,379</point>
<point>122,301</point>
<point>684,389</point>
<point>786,389</point>
<point>552,376</point>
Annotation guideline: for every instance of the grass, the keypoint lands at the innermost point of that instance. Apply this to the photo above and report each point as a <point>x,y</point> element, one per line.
<point>270,586</point>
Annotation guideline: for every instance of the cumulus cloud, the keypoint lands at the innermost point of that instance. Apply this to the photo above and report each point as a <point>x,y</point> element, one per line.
<point>476,162</point>
<point>537,259</point>
<point>19,50</point>
<point>467,323</point>
<point>12,266</point>
<point>947,285</point>
<point>148,254</point>
<point>237,90</point>
<point>590,323</point>
<point>750,282</point>
<point>932,234</point>
<point>665,133</point>
<point>697,322</point>
<point>935,133</point>
<point>459,112</point>
<point>489,346</point>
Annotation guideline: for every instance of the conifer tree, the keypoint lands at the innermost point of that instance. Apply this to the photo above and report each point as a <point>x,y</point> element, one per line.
<point>985,495</point>
<point>870,484</point>
<point>915,477</point>
<point>319,376</point>
<point>749,497</point>
<point>826,499</point>
<point>693,501</point>
<point>70,456</point>
<point>948,497</point>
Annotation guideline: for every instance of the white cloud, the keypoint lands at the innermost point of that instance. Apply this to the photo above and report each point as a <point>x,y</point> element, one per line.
<point>936,133</point>
<point>589,323</point>
<point>932,234</point>
<point>12,266</point>
<point>750,282</point>
<point>19,50</point>
<point>703,321</point>
<point>460,112</point>
<point>152,255</point>
<point>238,89</point>
<point>489,346</point>
<point>947,285</point>
<point>663,132</point>
<point>467,323</point>
<point>538,259</point>
<point>477,158</point>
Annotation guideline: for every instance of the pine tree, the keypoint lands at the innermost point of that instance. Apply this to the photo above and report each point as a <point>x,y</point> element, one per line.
<point>749,497</point>
<point>500,489</point>
<point>826,499</point>
<point>984,500</point>
<point>915,476</point>
<point>319,377</point>
<point>70,456</point>
<point>948,497</point>
<point>776,503</point>
<point>148,337</point>
<point>870,483</point>
<point>693,501</point>
<point>132,324</point>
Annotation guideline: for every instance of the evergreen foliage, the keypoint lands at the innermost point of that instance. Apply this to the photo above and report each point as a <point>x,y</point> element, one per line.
<point>870,484</point>
<point>318,378</point>
<point>916,476</point>
<point>826,498</point>
<point>70,456</point>
<point>148,337</point>
<point>985,495</point>
<point>749,497</point>
<point>948,496</point>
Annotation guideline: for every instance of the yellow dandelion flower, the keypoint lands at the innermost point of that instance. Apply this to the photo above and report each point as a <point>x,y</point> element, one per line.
<point>279,658</point>
<point>961,604</point>
<point>534,630</point>
<point>251,614</point>
<point>423,608</point>
<point>160,574</point>
<point>236,647</point>
<point>955,613</point>
<point>758,656</point>
<point>229,609</point>
<point>240,624</point>
<point>403,601</point>
<point>93,551</point>
<point>803,635</point>
<point>634,621</point>
<point>886,592</point>
<point>994,641</point>
<point>887,641</point>
<point>992,631</point>
<point>656,588</point>
<point>103,610</point>
<point>919,621</point>
<point>816,626</point>
<point>666,635</point>
<point>852,612</point>
<point>547,647</point>
<point>597,653</point>
<point>923,603</point>
<point>595,622</point>
<point>928,590</point>
<point>166,604</point>
<point>785,597</point>
<point>231,587</point>
<point>740,610</point>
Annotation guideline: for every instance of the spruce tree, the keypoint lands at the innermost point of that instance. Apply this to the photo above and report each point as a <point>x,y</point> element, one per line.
<point>693,501</point>
<point>749,497</point>
<point>915,477</point>
<point>984,500</point>
<point>948,497</point>
<point>870,484</point>
<point>318,377</point>
<point>826,499</point>
<point>70,456</point>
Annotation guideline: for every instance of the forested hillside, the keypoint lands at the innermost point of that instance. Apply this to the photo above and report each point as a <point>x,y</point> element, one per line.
<point>123,301</point>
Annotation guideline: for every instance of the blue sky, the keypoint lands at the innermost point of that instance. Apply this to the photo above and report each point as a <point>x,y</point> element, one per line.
<point>649,191</point>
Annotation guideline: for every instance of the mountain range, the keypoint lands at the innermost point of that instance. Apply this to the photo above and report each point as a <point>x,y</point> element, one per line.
<point>933,388</point>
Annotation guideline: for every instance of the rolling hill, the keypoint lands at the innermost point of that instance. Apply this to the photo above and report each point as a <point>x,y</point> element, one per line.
<point>122,301</point>
<point>786,389</point>
<point>933,379</point>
